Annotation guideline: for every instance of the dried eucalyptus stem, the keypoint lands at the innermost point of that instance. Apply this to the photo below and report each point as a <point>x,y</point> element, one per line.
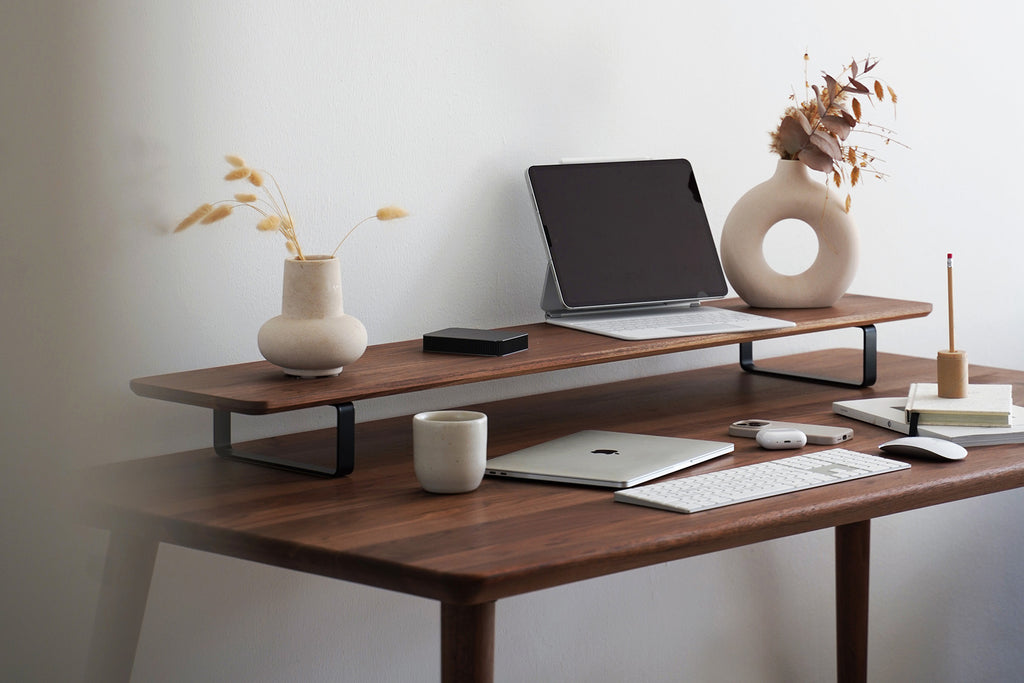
<point>815,131</point>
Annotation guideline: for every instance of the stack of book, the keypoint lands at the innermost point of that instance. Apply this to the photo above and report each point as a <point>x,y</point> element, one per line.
<point>986,416</point>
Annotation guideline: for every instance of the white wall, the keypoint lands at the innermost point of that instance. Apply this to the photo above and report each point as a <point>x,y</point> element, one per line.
<point>115,115</point>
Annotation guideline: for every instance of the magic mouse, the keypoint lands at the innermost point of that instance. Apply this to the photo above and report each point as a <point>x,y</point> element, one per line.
<point>925,447</point>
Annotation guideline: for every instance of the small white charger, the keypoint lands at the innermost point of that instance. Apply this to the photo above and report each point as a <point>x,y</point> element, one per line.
<point>779,439</point>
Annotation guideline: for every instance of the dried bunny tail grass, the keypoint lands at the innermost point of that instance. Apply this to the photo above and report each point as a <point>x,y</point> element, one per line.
<point>238,174</point>
<point>222,211</point>
<point>194,217</point>
<point>287,228</point>
<point>270,223</point>
<point>273,208</point>
<point>388,213</point>
<point>283,208</point>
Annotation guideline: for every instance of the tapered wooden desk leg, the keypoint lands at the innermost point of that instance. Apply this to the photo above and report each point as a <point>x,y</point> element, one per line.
<point>121,606</point>
<point>853,570</point>
<point>467,643</point>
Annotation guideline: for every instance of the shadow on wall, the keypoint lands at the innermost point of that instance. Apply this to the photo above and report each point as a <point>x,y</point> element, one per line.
<point>53,411</point>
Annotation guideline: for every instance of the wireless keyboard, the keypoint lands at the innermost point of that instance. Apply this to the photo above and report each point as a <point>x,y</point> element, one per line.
<point>760,480</point>
<point>674,323</point>
<point>699,316</point>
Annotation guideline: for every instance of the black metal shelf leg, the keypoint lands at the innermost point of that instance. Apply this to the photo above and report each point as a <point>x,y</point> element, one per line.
<point>870,364</point>
<point>344,461</point>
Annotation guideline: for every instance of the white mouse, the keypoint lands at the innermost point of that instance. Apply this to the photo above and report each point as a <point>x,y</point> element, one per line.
<point>925,447</point>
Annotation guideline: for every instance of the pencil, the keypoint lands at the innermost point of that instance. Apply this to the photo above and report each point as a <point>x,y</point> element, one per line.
<point>949,288</point>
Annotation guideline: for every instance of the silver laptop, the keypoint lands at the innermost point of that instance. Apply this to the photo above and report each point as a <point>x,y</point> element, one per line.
<point>630,251</point>
<point>610,459</point>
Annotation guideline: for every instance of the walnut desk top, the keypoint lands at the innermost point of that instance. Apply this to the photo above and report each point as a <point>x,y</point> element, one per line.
<point>378,527</point>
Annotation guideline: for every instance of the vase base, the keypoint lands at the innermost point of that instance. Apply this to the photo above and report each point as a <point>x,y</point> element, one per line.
<point>311,374</point>
<point>786,303</point>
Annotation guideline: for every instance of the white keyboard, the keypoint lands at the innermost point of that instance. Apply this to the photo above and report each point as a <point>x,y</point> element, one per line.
<point>679,322</point>
<point>760,480</point>
<point>701,317</point>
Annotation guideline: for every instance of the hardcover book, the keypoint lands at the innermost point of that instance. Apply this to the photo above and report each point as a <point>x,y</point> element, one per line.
<point>986,405</point>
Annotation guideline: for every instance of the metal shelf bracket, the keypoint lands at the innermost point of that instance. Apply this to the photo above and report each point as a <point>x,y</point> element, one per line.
<point>344,461</point>
<point>869,364</point>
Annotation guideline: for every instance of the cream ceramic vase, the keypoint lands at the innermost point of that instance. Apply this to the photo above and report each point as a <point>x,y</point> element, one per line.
<point>312,337</point>
<point>790,193</point>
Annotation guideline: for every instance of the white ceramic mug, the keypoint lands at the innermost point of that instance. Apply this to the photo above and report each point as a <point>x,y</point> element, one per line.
<point>449,450</point>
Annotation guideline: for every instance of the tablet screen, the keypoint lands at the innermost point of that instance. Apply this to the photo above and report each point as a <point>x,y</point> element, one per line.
<point>626,233</point>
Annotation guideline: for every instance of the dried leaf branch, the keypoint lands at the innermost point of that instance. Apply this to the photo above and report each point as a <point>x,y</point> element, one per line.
<point>276,216</point>
<point>815,131</point>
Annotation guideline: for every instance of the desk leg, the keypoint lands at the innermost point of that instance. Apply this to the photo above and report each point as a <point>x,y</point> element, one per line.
<point>120,609</point>
<point>853,569</point>
<point>467,643</point>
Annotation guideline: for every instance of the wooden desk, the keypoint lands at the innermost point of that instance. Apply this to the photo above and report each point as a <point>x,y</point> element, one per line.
<point>379,528</point>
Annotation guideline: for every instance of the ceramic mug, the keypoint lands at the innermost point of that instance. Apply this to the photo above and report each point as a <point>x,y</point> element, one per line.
<point>449,450</point>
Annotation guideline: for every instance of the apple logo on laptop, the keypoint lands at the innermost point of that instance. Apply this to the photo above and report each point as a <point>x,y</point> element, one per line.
<point>605,451</point>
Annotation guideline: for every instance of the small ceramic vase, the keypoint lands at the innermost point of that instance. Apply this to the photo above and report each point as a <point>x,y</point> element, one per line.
<point>790,193</point>
<point>313,337</point>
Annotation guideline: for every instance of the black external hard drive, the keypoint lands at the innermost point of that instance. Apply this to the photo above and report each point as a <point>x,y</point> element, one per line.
<point>475,342</point>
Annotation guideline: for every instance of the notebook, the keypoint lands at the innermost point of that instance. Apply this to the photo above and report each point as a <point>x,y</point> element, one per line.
<point>628,241</point>
<point>986,405</point>
<point>601,458</point>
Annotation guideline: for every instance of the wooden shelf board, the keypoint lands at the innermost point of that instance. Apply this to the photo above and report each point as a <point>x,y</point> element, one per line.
<point>259,388</point>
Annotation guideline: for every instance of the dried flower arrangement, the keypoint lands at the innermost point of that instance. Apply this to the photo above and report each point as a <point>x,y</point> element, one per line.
<point>276,217</point>
<point>815,130</point>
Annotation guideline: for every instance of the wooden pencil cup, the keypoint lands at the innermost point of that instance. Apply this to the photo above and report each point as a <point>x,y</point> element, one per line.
<point>952,371</point>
